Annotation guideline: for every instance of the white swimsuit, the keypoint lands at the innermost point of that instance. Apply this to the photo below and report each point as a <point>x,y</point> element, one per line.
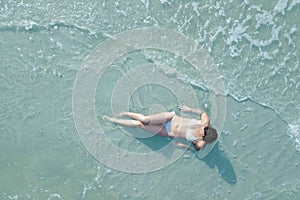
<point>190,137</point>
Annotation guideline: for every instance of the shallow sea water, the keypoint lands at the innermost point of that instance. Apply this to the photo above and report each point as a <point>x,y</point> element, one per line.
<point>254,44</point>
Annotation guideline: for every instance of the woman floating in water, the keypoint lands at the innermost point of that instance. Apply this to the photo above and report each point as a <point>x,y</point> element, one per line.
<point>168,124</point>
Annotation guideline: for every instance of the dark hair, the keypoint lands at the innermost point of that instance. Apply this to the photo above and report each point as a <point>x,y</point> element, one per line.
<point>211,135</point>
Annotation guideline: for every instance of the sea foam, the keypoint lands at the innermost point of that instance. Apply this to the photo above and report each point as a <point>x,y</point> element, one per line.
<point>295,135</point>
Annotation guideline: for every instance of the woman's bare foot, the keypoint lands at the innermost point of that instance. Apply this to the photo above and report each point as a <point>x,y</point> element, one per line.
<point>122,114</point>
<point>111,119</point>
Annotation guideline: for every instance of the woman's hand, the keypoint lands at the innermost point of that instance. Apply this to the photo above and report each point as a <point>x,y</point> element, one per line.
<point>183,107</point>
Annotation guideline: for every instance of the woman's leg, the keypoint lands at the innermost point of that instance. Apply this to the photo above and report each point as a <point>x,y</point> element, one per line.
<point>125,122</point>
<point>156,129</point>
<point>160,118</point>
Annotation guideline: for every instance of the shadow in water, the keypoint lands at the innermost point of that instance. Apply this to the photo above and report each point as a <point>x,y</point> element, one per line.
<point>217,158</point>
<point>153,142</point>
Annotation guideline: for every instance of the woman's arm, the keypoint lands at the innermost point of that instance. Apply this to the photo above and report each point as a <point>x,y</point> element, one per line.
<point>179,144</point>
<point>197,111</point>
<point>188,109</point>
<point>202,113</point>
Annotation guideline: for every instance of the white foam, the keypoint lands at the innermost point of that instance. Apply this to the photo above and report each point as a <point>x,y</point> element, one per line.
<point>235,143</point>
<point>281,6</point>
<point>54,196</point>
<point>146,3</point>
<point>262,43</point>
<point>29,24</point>
<point>15,197</point>
<point>294,2</point>
<point>244,127</point>
<point>195,8</point>
<point>294,133</point>
<point>164,1</point>
<point>87,187</point>
<point>236,33</point>
<point>264,18</point>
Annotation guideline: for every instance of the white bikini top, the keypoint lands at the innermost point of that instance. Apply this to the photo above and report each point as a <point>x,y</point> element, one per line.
<point>190,137</point>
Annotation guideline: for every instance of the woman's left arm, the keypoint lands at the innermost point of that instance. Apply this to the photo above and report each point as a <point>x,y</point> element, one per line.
<point>179,144</point>
<point>203,115</point>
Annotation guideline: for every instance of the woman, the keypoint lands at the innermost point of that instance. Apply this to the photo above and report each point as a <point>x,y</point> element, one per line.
<point>168,124</point>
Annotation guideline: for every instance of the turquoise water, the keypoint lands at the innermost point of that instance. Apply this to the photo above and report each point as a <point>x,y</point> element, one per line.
<point>255,46</point>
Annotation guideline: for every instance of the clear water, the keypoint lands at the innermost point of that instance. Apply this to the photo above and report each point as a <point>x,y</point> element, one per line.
<point>254,44</point>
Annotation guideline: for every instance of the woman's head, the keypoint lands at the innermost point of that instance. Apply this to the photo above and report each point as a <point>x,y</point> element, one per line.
<point>210,134</point>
